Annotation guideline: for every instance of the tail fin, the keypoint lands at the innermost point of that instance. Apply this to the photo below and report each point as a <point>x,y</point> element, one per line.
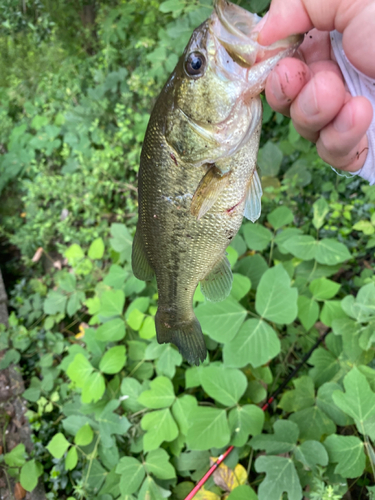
<point>186,335</point>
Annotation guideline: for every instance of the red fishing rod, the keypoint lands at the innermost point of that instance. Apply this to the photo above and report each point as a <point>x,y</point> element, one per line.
<point>222,457</point>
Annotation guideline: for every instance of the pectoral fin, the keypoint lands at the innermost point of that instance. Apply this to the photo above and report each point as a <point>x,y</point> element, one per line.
<point>217,285</point>
<point>208,191</point>
<point>253,206</point>
<point>141,268</point>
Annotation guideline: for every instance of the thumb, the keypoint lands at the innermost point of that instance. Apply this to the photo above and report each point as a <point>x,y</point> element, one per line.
<point>356,20</point>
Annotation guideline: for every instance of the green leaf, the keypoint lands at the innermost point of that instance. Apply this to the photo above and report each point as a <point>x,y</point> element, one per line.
<point>94,474</point>
<point>136,350</point>
<point>96,250</point>
<point>67,282</point>
<point>79,370</point>
<point>313,423</point>
<point>281,476</point>
<point>256,391</point>
<point>256,236</point>
<point>74,254</point>
<point>11,356</point>
<point>303,396</point>
<point>29,474</point>
<point>58,445</point>
<point>71,459</point>
<point>116,277</point>
<point>298,173</point>
<point>269,158</point>
<point>332,310</point>
<point>243,492</point>
<point>348,453</point>
<point>172,6</point>
<point>221,320</point>
<point>225,385</point>
<point>135,319</point>
<point>157,463</point>
<point>113,360</point>
<point>245,420</point>
<point>33,392</point>
<point>84,436</point>
<point>111,423</point>
<point>364,305</point>
<point>279,217</point>
<point>239,244</point>
<point>209,429</point>
<point>74,303</point>
<point>111,331</point>
<point>16,457</point>
<point>284,236</point>
<point>150,490</point>
<point>321,209</point>
<point>132,474</point>
<point>253,267</point>
<point>160,426</point>
<point>364,226</point>
<point>147,330</point>
<point>240,287</point>
<point>303,247</point>
<point>160,395</point>
<point>256,343</point>
<point>131,388</point>
<point>133,286</point>
<point>308,311</point>
<point>275,299</point>
<point>323,289</point>
<point>358,401</point>
<point>121,241</point>
<point>311,453</point>
<point>181,410</point>
<point>112,303</point>
<point>168,360</point>
<point>326,365</point>
<point>331,252</point>
<point>325,402</point>
<point>55,303</point>
<point>93,388</point>
<point>283,440</point>
<point>192,460</point>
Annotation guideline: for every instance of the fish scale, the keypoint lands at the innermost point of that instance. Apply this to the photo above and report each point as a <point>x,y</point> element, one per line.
<point>197,178</point>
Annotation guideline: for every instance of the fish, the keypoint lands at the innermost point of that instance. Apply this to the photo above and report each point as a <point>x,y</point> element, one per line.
<point>198,175</point>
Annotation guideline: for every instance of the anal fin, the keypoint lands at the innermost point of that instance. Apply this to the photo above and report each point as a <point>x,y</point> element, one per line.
<point>208,191</point>
<point>141,268</point>
<point>217,285</point>
<point>253,205</point>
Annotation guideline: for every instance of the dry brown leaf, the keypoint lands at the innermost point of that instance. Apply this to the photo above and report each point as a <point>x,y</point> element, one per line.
<point>228,479</point>
<point>19,492</point>
<point>37,254</point>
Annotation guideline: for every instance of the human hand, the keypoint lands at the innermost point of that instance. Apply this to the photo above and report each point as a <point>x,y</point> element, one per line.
<point>312,91</point>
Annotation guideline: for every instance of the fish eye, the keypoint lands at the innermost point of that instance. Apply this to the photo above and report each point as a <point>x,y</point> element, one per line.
<point>195,64</point>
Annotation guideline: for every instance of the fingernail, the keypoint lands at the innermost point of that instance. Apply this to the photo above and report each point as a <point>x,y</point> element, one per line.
<point>276,86</point>
<point>344,120</point>
<point>307,100</point>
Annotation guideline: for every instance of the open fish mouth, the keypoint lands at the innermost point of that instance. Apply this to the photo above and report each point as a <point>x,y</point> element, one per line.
<point>236,29</point>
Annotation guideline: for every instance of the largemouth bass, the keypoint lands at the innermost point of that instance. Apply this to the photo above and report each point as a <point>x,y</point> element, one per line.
<point>198,176</point>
